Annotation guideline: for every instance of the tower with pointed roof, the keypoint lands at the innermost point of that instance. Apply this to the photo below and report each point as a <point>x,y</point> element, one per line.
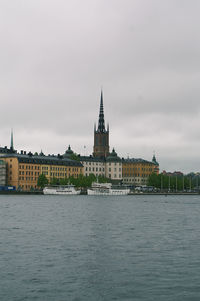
<point>101,135</point>
<point>11,141</point>
<point>156,164</point>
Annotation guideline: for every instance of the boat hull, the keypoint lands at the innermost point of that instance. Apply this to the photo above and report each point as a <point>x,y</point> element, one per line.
<point>59,191</point>
<point>108,192</point>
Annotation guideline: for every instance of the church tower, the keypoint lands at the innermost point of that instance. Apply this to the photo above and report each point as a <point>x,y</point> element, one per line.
<point>101,135</point>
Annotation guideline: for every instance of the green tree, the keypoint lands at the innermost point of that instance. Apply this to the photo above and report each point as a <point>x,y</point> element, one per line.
<point>103,179</point>
<point>75,157</point>
<point>63,181</point>
<point>42,181</point>
<point>169,182</point>
<point>55,181</point>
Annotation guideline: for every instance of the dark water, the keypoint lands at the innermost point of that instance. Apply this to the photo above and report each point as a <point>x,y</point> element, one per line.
<point>99,248</point>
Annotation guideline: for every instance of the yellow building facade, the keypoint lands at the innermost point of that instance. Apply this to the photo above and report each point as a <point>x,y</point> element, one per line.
<point>23,170</point>
<point>137,171</point>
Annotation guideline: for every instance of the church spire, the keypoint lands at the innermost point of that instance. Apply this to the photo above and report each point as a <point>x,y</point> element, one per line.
<point>11,141</point>
<point>101,135</point>
<point>101,125</point>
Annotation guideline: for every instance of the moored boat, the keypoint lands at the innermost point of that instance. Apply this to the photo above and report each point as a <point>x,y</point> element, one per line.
<point>61,190</point>
<point>106,189</point>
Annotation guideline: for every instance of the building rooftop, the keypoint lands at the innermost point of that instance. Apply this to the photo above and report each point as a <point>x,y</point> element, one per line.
<point>42,159</point>
<point>136,160</point>
<point>6,150</point>
<point>91,159</point>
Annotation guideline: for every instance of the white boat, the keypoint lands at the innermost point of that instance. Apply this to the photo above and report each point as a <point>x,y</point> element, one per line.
<point>61,190</point>
<point>106,189</point>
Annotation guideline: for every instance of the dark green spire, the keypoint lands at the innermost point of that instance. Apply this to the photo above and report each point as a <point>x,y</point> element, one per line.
<point>154,159</point>
<point>101,124</point>
<point>11,142</point>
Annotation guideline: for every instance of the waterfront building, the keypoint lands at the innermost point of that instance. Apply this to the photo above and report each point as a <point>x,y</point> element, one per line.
<point>114,167</point>
<point>93,165</point>
<point>2,173</point>
<point>109,167</point>
<point>137,171</point>
<point>101,135</point>
<point>24,169</point>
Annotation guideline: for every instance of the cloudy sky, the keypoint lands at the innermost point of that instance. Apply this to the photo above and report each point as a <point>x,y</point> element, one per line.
<point>56,54</point>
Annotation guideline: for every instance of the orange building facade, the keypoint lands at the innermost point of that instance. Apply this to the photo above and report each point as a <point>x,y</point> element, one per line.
<point>23,170</point>
<point>137,171</point>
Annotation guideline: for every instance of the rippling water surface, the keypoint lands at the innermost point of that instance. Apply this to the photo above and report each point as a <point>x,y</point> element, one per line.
<point>99,248</point>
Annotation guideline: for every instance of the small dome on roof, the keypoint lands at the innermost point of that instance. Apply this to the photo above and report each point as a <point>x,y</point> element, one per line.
<point>68,152</point>
<point>112,157</point>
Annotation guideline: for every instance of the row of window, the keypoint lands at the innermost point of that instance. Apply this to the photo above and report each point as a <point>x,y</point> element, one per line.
<point>28,178</point>
<point>99,163</point>
<point>53,175</point>
<point>96,175</point>
<point>136,175</point>
<point>60,168</point>
<point>29,173</point>
<point>133,180</point>
<point>29,167</point>
<point>136,169</point>
<point>46,168</point>
<point>115,169</point>
<point>62,175</point>
<point>28,187</point>
<point>115,176</point>
<point>93,163</point>
<point>93,169</point>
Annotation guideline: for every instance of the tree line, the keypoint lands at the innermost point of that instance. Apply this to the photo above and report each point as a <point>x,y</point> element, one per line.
<point>81,181</point>
<point>173,183</point>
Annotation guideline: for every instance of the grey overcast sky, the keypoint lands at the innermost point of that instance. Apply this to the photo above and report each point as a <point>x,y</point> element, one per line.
<point>56,54</point>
